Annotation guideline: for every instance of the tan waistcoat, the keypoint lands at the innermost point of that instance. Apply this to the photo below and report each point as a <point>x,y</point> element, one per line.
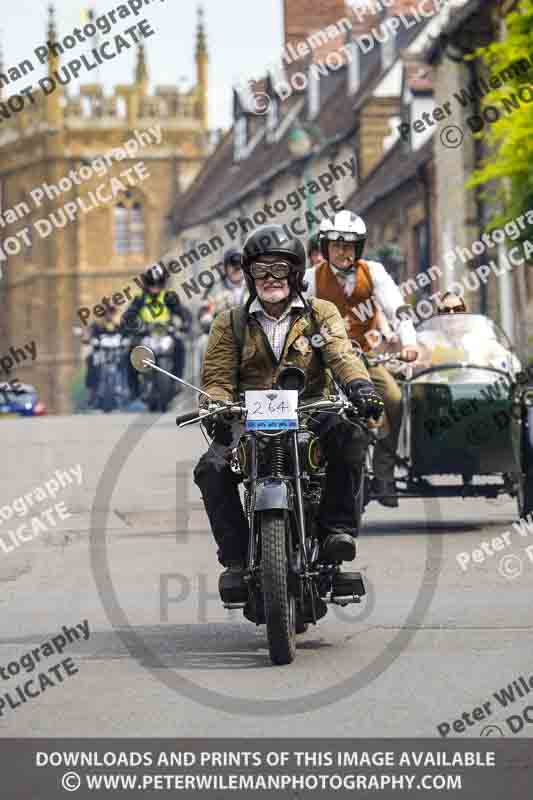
<point>329,288</point>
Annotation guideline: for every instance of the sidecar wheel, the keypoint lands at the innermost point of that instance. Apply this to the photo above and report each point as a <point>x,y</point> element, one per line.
<point>525,479</point>
<point>280,605</point>
<point>525,492</point>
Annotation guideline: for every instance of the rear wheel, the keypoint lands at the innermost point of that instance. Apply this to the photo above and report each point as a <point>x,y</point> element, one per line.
<point>280,605</point>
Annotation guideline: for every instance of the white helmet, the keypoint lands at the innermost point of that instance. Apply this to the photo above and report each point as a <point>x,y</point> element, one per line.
<point>345,227</point>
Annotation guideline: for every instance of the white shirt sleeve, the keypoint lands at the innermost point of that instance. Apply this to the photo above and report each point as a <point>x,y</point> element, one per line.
<point>310,277</point>
<point>390,299</point>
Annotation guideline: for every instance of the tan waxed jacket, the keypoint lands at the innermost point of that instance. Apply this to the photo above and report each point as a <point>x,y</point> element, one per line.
<point>259,368</point>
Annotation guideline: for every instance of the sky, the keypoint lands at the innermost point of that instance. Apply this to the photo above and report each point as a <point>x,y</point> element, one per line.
<point>243,36</point>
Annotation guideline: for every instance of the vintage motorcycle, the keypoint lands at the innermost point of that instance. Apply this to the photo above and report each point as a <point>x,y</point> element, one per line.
<point>287,585</point>
<point>109,352</point>
<point>158,389</point>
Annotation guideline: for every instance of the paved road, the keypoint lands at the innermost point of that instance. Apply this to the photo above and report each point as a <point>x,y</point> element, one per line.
<point>187,667</point>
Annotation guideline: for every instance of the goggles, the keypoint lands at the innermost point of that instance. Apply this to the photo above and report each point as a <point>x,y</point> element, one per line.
<point>278,270</point>
<point>453,310</point>
<point>340,236</point>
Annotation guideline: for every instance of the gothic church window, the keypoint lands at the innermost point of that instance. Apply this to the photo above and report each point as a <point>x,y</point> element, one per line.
<point>129,227</point>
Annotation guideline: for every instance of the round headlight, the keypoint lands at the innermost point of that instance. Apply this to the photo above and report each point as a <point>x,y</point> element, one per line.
<point>292,378</point>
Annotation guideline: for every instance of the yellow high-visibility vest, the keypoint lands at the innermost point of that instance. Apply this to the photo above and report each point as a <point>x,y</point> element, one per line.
<point>155,309</point>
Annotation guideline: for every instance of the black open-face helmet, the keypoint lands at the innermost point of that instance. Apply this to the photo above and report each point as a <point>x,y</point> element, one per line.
<point>232,257</point>
<point>272,240</point>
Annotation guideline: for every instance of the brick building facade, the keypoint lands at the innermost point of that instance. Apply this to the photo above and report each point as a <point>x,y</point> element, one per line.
<point>99,251</point>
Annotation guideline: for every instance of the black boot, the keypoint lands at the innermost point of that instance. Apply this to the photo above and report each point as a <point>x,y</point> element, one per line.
<point>384,491</point>
<point>337,546</point>
<point>231,585</point>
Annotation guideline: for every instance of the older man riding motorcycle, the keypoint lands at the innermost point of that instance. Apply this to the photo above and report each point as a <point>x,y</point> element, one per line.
<point>247,349</point>
<point>362,290</point>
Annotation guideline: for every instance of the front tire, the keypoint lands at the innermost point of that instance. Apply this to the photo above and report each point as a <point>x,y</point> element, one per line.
<point>108,396</point>
<point>280,605</point>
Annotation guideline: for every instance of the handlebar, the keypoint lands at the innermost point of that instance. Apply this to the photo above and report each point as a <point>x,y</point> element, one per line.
<point>383,358</point>
<point>182,418</point>
<point>241,411</point>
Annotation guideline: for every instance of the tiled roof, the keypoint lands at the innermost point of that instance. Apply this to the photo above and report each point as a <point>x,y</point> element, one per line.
<point>222,182</point>
<point>395,169</point>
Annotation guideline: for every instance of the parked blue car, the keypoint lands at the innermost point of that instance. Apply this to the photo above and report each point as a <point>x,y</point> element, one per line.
<point>20,400</point>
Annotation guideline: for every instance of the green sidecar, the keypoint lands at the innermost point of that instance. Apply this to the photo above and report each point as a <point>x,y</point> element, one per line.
<point>467,427</point>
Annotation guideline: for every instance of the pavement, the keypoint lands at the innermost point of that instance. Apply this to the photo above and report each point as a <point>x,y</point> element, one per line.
<point>433,641</point>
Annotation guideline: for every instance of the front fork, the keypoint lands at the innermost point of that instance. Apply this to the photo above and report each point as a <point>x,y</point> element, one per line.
<point>300,514</point>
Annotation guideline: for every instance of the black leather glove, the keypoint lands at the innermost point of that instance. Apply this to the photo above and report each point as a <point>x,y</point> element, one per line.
<point>219,428</point>
<point>365,398</point>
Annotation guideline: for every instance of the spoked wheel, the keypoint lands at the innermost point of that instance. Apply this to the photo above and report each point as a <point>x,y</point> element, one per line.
<point>280,605</point>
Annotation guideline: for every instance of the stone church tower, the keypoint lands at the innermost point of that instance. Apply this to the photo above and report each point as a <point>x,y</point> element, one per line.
<point>100,250</point>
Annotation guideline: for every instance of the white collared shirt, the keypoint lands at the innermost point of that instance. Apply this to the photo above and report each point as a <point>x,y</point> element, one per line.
<point>275,328</point>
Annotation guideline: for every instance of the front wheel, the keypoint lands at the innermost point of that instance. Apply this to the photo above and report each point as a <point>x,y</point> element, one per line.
<point>108,395</point>
<point>165,391</point>
<point>280,605</point>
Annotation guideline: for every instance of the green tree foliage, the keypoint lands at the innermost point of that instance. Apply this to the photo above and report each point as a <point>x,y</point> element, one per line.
<point>511,137</point>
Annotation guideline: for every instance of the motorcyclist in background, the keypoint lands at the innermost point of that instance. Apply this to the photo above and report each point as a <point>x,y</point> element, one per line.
<point>156,305</point>
<point>314,252</point>
<point>231,291</point>
<point>360,289</point>
<point>109,323</point>
<point>279,327</point>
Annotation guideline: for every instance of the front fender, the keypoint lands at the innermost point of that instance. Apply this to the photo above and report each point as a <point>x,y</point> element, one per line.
<point>272,494</point>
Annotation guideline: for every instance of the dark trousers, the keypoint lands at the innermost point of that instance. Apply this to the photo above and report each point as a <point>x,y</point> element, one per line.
<point>344,447</point>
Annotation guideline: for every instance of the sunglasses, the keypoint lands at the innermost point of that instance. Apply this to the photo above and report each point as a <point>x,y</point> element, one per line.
<point>234,261</point>
<point>278,270</point>
<point>452,310</point>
